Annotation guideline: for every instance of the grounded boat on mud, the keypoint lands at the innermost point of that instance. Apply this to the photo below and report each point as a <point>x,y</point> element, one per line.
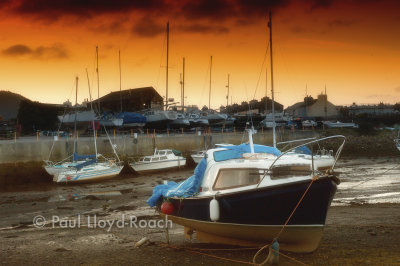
<point>160,160</point>
<point>244,195</point>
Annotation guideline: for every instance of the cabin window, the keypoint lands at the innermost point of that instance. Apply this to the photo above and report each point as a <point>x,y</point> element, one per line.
<point>169,152</point>
<point>161,153</point>
<point>147,159</point>
<point>286,171</point>
<point>232,178</point>
<point>163,158</point>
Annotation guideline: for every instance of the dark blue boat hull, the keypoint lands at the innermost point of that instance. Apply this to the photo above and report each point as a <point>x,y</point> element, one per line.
<point>265,206</point>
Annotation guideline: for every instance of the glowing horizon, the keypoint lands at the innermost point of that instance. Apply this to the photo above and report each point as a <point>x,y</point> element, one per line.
<point>351,48</point>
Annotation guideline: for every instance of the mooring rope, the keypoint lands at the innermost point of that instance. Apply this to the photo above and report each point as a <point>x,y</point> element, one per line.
<point>284,226</point>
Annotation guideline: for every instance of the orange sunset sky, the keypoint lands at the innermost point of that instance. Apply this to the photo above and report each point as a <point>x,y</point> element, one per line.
<point>351,47</point>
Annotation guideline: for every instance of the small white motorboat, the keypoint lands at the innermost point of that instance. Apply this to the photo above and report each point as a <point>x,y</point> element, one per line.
<point>309,123</point>
<point>338,124</point>
<point>322,160</point>
<point>198,155</point>
<point>160,160</point>
<point>397,141</point>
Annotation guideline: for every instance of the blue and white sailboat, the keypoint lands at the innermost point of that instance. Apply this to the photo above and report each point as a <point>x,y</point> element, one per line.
<point>86,168</point>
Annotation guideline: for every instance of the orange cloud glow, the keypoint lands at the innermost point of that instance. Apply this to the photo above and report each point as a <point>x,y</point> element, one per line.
<point>351,47</point>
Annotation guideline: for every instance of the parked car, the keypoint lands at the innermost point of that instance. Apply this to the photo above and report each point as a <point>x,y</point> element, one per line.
<point>6,132</point>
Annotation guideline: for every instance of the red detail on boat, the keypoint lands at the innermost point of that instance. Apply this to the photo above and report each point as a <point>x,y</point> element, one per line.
<point>167,208</point>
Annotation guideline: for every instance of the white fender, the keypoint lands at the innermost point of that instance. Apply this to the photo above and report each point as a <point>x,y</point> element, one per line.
<point>214,210</point>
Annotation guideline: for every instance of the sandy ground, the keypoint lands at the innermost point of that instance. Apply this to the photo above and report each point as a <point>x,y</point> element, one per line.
<point>363,225</point>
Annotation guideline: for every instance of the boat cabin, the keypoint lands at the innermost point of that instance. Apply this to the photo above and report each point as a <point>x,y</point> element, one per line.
<point>250,172</point>
<point>159,155</point>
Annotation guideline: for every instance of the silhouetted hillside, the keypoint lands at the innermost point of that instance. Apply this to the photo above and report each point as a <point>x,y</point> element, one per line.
<point>9,104</point>
<point>38,116</point>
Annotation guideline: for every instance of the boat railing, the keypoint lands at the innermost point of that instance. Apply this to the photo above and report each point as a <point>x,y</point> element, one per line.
<point>51,163</point>
<point>314,141</point>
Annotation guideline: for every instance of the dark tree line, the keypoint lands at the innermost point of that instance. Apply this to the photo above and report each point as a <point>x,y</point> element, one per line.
<point>33,116</point>
<point>264,104</point>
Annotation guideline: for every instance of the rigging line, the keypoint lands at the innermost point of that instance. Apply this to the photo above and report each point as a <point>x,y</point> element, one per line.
<point>71,91</point>
<point>58,131</point>
<point>261,71</point>
<point>280,52</point>
<point>91,108</point>
<point>161,58</point>
<point>205,81</point>
<point>65,110</point>
<point>112,145</point>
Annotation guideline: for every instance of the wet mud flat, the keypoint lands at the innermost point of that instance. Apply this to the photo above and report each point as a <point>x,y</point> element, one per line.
<point>363,224</point>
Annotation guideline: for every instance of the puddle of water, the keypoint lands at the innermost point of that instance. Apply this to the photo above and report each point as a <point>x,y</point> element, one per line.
<point>372,187</point>
<point>90,195</point>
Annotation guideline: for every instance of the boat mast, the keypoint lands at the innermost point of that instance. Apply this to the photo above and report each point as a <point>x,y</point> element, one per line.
<point>120,85</point>
<point>183,85</point>
<point>166,79</point>
<point>266,91</point>
<point>272,81</point>
<point>76,112</point>
<point>209,93</point>
<point>326,103</point>
<point>227,96</point>
<point>91,108</point>
<point>98,82</point>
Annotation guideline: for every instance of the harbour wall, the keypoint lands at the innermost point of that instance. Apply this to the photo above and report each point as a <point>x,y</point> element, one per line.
<point>38,149</point>
<point>21,160</point>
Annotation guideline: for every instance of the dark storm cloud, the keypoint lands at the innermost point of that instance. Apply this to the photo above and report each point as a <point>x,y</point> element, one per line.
<point>223,9</point>
<point>200,16</point>
<point>18,49</point>
<point>260,8</point>
<point>316,4</point>
<point>298,29</point>
<point>341,23</point>
<point>41,52</point>
<point>58,8</point>
<point>115,27</point>
<point>202,28</point>
<point>208,9</point>
<point>147,27</point>
<point>201,9</point>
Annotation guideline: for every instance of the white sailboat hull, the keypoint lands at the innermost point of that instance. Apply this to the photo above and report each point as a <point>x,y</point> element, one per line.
<point>156,166</point>
<point>321,162</point>
<point>55,169</point>
<point>197,158</point>
<point>89,173</point>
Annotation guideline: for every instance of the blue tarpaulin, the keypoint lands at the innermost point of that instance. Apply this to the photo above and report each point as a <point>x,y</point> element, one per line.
<point>86,163</point>
<point>130,117</point>
<point>191,186</point>
<point>184,189</point>
<point>235,152</point>
<point>78,157</point>
<point>303,150</point>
